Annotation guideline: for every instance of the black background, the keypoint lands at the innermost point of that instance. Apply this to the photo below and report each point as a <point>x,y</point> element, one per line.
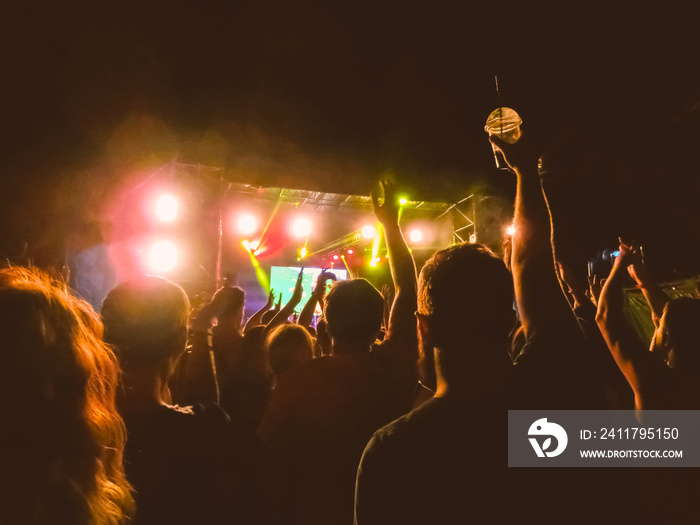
<point>330,96</point>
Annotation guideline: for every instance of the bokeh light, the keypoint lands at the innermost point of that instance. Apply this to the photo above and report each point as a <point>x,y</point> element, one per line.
<point>368,232</point>
<point>166,208</point>
<point>247,224</point>
<point>163,257</point>
<point>301,227</point>
<point>415,235</point>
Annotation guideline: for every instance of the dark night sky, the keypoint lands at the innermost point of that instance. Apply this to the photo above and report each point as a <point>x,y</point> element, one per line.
<point>328,96</point>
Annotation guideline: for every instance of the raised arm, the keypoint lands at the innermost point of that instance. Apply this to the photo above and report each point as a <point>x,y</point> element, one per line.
<point>287,309</point>
<point>582,303</point>
<point>541,302</point>
<point>402,320</point>
<point>655,296</point>
<point>307,313</point>
<point>639,366</point>
<point>256,318</point>
<point>196,377</point>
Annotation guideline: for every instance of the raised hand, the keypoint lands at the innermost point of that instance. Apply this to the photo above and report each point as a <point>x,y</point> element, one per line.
<point>595,286</point>
<point>522,154</point>
<point>298,289</point>
<point>388,212</point>
<point>270,300</point>
<point>637,269</point>
<point>629,255</point>
<point>288,309</point>
<point>256,318</point>
<point>322,279</point>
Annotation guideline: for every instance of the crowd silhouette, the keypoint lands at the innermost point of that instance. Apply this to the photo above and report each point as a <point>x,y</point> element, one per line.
<point>393,409</point>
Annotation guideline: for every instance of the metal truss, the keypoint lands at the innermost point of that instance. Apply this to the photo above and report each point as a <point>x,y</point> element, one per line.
<point>464,219</point>
<point>321,201</point>
<point>463,212</point>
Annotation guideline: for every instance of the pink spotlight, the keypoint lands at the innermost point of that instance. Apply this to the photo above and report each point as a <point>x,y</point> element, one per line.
<point>301,227</point>
<point>350,251</point>
<point>163,257</point>
<point>166,208</point>
<point>247,224</point>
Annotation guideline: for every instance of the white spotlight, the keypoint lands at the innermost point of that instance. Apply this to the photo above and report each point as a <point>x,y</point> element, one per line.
<point>247,224</point>
<point>368,232</point>
<point>510,230</point>
<point>163,257</point>
<point>166,208</point>
<point>415,236</point>
<point>301,227</point>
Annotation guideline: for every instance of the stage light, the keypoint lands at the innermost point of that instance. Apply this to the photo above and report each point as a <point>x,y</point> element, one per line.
<point>254,245</point>
<point>415,236</point>
<point>350,251</point>
<point>368,232</point>
<point>373,263</point>
<point>301,227</point>
<point>302,252</point>
<point>335,257</point>
<point>510,230</point>
<point>403,201</point>
<point>247,224</point>
<point>246,245</point>
<point>377,259</point>
<point>163,256</point>
<point>166,208</point>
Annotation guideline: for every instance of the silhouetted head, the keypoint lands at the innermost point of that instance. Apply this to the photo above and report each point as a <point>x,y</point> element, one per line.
<point>62,440</point>
<point>146,321</point>
<point>287,345</point>
<point>354,312</point>
<point>678,333</point>
<point>230,302</point>
<point>465,294</point>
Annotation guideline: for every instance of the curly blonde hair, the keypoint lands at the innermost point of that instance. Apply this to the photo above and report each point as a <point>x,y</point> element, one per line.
<point>62,442</point>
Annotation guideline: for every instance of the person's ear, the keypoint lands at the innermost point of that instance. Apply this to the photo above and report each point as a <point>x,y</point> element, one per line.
<point>425,330</point>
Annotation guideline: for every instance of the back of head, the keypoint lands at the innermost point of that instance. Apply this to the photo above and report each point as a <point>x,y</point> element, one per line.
<point>354,313</point>
<point>681,322</point>
<point>62,441</point>
<point>466,292</point>
<point>288,345</point>
<point>146,320</point>
<point>232,301</point>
